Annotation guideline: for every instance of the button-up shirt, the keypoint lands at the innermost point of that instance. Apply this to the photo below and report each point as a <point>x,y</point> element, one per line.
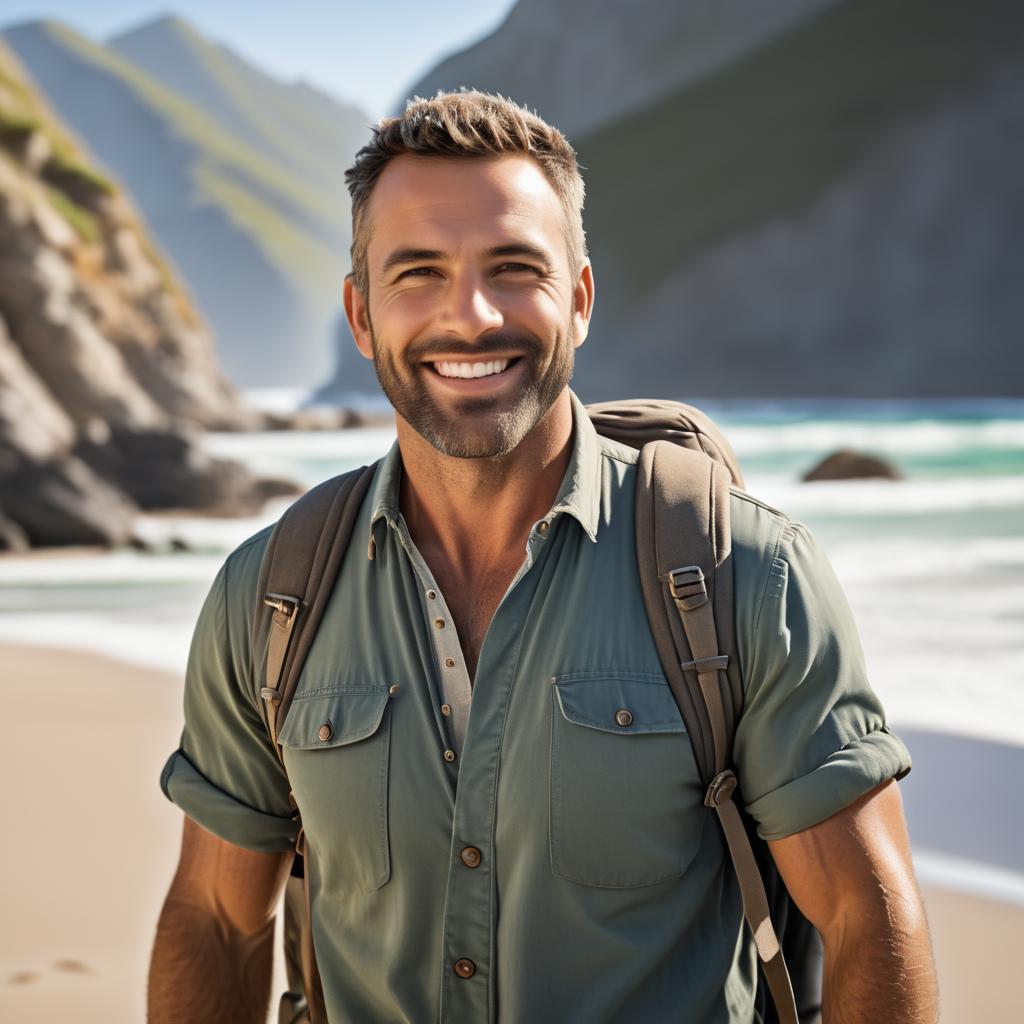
<point>535,849</point>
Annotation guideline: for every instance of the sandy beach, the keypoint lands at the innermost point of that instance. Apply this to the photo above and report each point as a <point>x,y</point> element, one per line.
<point>92,845</point>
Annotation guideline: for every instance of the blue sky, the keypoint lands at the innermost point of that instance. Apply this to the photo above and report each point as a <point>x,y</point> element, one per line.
<point>367,53</point>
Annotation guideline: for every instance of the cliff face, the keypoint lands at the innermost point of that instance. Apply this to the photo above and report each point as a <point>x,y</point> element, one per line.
<point>240,178</point>
<point>583,70</point>
<point>106,372</point>
<point>806,198</point>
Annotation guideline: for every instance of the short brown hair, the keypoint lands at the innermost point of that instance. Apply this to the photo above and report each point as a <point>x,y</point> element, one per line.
<point>466,124</point>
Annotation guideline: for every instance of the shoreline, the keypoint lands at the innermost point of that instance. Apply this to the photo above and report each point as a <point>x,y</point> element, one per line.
<point>97,843</point>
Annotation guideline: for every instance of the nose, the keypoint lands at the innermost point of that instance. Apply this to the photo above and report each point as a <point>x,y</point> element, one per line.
<point>469,310</point>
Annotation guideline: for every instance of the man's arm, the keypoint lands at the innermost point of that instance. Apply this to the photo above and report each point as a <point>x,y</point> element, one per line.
<point>852,877</point>
<point>214,941</point>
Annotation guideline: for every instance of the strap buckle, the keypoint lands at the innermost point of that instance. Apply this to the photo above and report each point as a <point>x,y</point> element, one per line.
<point>687,587</point>
<point>716,663</point>
<point>283,603</point>
<point>722,787</point>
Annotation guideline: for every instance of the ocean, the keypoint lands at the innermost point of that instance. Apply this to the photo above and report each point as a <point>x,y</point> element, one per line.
<point>933,565</point>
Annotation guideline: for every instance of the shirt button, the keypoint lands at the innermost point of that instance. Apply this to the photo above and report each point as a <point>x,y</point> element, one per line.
<point>446,710</point>
<point>449,756</point>
<point>542,527</point>
<point>326,732</point>
<point>431,594</point>
<point>393,689</point>
<point>439,623</point>
<point>471,857</point>
<point>449,663</point>
<point>624,717</point>
<point>464,968</point>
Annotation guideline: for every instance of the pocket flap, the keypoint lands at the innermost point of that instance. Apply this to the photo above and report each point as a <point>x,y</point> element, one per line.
<point>625,704</point>
<point>332,719</point>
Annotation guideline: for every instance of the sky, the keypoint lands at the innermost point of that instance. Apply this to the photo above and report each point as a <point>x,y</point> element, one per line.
<point>367,53</point>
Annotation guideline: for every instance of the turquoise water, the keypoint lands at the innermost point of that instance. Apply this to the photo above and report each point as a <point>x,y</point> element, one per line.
<point>933,565</point>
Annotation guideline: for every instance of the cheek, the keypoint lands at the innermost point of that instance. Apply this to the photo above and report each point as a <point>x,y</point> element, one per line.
<point>409,312</point>
<point>543,310</point>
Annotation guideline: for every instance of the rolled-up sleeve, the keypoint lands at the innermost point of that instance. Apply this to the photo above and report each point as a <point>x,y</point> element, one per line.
<point>812,738</point>
<point>226,775</point>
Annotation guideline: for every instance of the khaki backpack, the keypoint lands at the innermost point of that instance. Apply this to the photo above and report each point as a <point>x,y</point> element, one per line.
<point>683,543</point>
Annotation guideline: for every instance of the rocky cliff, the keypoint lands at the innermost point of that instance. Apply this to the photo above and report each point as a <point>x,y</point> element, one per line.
<point>107,374</point>
<point>240,178</point>
<point>802,198</point>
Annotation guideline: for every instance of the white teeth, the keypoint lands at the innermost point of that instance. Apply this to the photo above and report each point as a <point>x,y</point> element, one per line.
<point>467,371</point>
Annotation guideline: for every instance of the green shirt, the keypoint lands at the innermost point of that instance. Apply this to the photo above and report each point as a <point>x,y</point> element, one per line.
<point>570,861</point>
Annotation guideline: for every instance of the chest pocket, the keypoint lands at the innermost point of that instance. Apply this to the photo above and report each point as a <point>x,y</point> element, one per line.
<point>337,751</point>
<point>626,800</point>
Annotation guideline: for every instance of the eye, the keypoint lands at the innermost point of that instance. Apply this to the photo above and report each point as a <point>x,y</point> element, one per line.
<point>518,268</point>
<point>416,272</point>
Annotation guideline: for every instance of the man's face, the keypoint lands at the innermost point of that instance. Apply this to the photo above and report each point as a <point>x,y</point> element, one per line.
<point>473,316</point>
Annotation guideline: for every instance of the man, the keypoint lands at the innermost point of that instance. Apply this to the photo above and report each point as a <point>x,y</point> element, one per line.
<point>532,861</point>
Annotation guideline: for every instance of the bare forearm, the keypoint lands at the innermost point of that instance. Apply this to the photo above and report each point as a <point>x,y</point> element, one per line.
<point>881,970</point>
<point>203,971</point>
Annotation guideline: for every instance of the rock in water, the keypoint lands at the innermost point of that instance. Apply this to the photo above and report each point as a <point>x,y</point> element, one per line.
<point>12,536</point>
<point>850,465</point>
<point>168,469</point>
<point>63,502</point>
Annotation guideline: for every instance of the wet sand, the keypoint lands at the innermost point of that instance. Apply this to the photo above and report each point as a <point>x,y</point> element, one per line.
<point>91,845</point>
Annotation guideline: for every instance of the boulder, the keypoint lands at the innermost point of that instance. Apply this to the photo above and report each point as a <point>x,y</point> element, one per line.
<point>847,464</point>
<point>161,469</point>
<point>12,537</point>
<point>63,502</point>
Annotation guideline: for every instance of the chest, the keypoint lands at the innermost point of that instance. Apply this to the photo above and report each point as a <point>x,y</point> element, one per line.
<point>472,600</point>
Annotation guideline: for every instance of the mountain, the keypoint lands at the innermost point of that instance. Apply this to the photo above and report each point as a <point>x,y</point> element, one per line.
<point>582,70</point>
<point>292,123</point>
<point>826,202</point>
<point>239,176</point>
<point>107,373</point>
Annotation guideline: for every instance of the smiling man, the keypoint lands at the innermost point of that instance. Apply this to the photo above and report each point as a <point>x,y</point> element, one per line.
<point>547,857</point>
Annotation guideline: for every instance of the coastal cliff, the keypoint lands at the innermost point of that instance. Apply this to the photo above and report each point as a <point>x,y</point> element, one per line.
<point>107,373</point>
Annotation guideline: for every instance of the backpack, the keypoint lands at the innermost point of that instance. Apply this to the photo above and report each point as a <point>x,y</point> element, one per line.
<point>683,543</point>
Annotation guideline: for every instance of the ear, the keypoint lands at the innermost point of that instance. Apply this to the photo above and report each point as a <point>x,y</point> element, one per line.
<point>583,302</point>
<point>358,314</point>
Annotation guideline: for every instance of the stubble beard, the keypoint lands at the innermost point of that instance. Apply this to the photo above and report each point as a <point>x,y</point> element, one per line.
<point>477,427</point>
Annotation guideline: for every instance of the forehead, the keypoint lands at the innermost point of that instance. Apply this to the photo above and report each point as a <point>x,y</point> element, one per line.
<point>440,201</point>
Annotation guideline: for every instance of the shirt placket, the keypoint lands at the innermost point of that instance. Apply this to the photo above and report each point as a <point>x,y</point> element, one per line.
<point>453,673</point>
<point>467,988</point>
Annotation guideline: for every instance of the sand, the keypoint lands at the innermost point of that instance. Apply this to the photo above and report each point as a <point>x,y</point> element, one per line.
<point>91,844</point>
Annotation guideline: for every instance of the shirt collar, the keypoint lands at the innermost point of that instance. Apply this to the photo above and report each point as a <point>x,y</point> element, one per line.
<point>579,494</point>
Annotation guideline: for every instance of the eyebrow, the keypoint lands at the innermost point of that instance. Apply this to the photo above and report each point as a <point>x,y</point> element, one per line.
<point>402,257</point>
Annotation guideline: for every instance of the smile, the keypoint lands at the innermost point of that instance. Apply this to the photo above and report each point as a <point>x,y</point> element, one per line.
<point>471,371</point>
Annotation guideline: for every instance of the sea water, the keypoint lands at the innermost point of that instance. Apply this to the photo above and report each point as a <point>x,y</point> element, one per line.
<point>933,565</point>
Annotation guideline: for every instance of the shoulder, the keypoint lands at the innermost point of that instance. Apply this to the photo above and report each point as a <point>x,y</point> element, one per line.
<point>757,531</point>
<point>241,569</point>
<point>615,451</point>
<point>772,553</point>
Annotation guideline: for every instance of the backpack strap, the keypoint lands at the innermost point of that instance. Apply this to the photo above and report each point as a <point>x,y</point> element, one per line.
<point>683,553</point>
<point>297,576</point>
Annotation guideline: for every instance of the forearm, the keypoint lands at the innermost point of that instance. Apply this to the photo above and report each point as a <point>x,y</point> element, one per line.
<point>204,970</point>
<point>879,966</point>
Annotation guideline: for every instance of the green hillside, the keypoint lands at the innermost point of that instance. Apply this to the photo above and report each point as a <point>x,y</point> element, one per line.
<point>764,137</point>
<point>68,171</point>
<point>306,131</point>
<point>257,192</point>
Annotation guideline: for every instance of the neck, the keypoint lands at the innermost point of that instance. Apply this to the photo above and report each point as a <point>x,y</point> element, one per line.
<point>446,501</point>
